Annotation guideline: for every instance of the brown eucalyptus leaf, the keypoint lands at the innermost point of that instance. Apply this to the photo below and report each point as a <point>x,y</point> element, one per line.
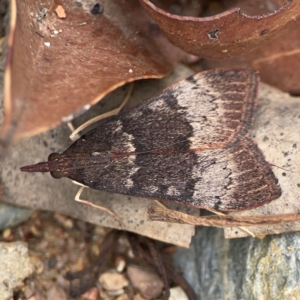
<point>59,66</point>
<point>224,35</point>
<point>278,61</point>
<point>192,8</point>
<point>254,7</point>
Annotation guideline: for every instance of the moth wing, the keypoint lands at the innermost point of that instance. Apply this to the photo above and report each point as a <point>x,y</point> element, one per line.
<point>205,111</point>
<point>234,178</point>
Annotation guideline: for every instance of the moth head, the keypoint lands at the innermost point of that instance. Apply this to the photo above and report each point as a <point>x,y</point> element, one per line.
<point>56,165</point>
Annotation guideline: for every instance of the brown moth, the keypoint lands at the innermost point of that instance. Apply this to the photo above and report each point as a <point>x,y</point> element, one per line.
<point>188,145</point>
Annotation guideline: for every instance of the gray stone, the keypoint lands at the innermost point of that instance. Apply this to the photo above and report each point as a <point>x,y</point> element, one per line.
<point>11,215</point>
<point>15,266</point>
<point>246,268</point>
<point>3,17</point>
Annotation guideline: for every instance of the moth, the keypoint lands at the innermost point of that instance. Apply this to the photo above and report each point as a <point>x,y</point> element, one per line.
<point>188,145</point>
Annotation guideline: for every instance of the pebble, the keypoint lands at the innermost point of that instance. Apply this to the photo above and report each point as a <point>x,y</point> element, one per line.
<point>113,281</point>
<point>176,293</point>
<point>91,294</point>
<point>145,281</point>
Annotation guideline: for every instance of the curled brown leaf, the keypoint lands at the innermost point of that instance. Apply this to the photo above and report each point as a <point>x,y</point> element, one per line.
<point>278,61</point>
<point>227,34</point>
<point>61,66</point>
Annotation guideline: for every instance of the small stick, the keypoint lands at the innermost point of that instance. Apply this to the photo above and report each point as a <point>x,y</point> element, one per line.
<point>160,204</point>
<point>245,229</point>
<point>156,213</point>
<point>215,212</point>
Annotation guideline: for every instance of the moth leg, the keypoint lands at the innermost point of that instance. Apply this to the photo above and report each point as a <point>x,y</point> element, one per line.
<point>74,135</point>
<point>88,203</point>
<point>241,227</point>
<point>78,183</point>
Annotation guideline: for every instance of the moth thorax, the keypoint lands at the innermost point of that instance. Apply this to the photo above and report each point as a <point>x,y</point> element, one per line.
<point>101,158</point>
<point>58,166</point>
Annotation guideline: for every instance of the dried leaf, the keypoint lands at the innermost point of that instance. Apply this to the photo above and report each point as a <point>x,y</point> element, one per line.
<point>192,8</point>
<point>278,61</point>
<point>224,35</point>
<point>58,66</point>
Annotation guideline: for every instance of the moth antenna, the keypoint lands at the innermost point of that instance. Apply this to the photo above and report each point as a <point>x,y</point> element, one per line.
<point>40,167</point>
<point>113,112</point>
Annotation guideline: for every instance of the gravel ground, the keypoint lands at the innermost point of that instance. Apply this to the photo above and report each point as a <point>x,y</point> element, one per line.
<point>58,244</point>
